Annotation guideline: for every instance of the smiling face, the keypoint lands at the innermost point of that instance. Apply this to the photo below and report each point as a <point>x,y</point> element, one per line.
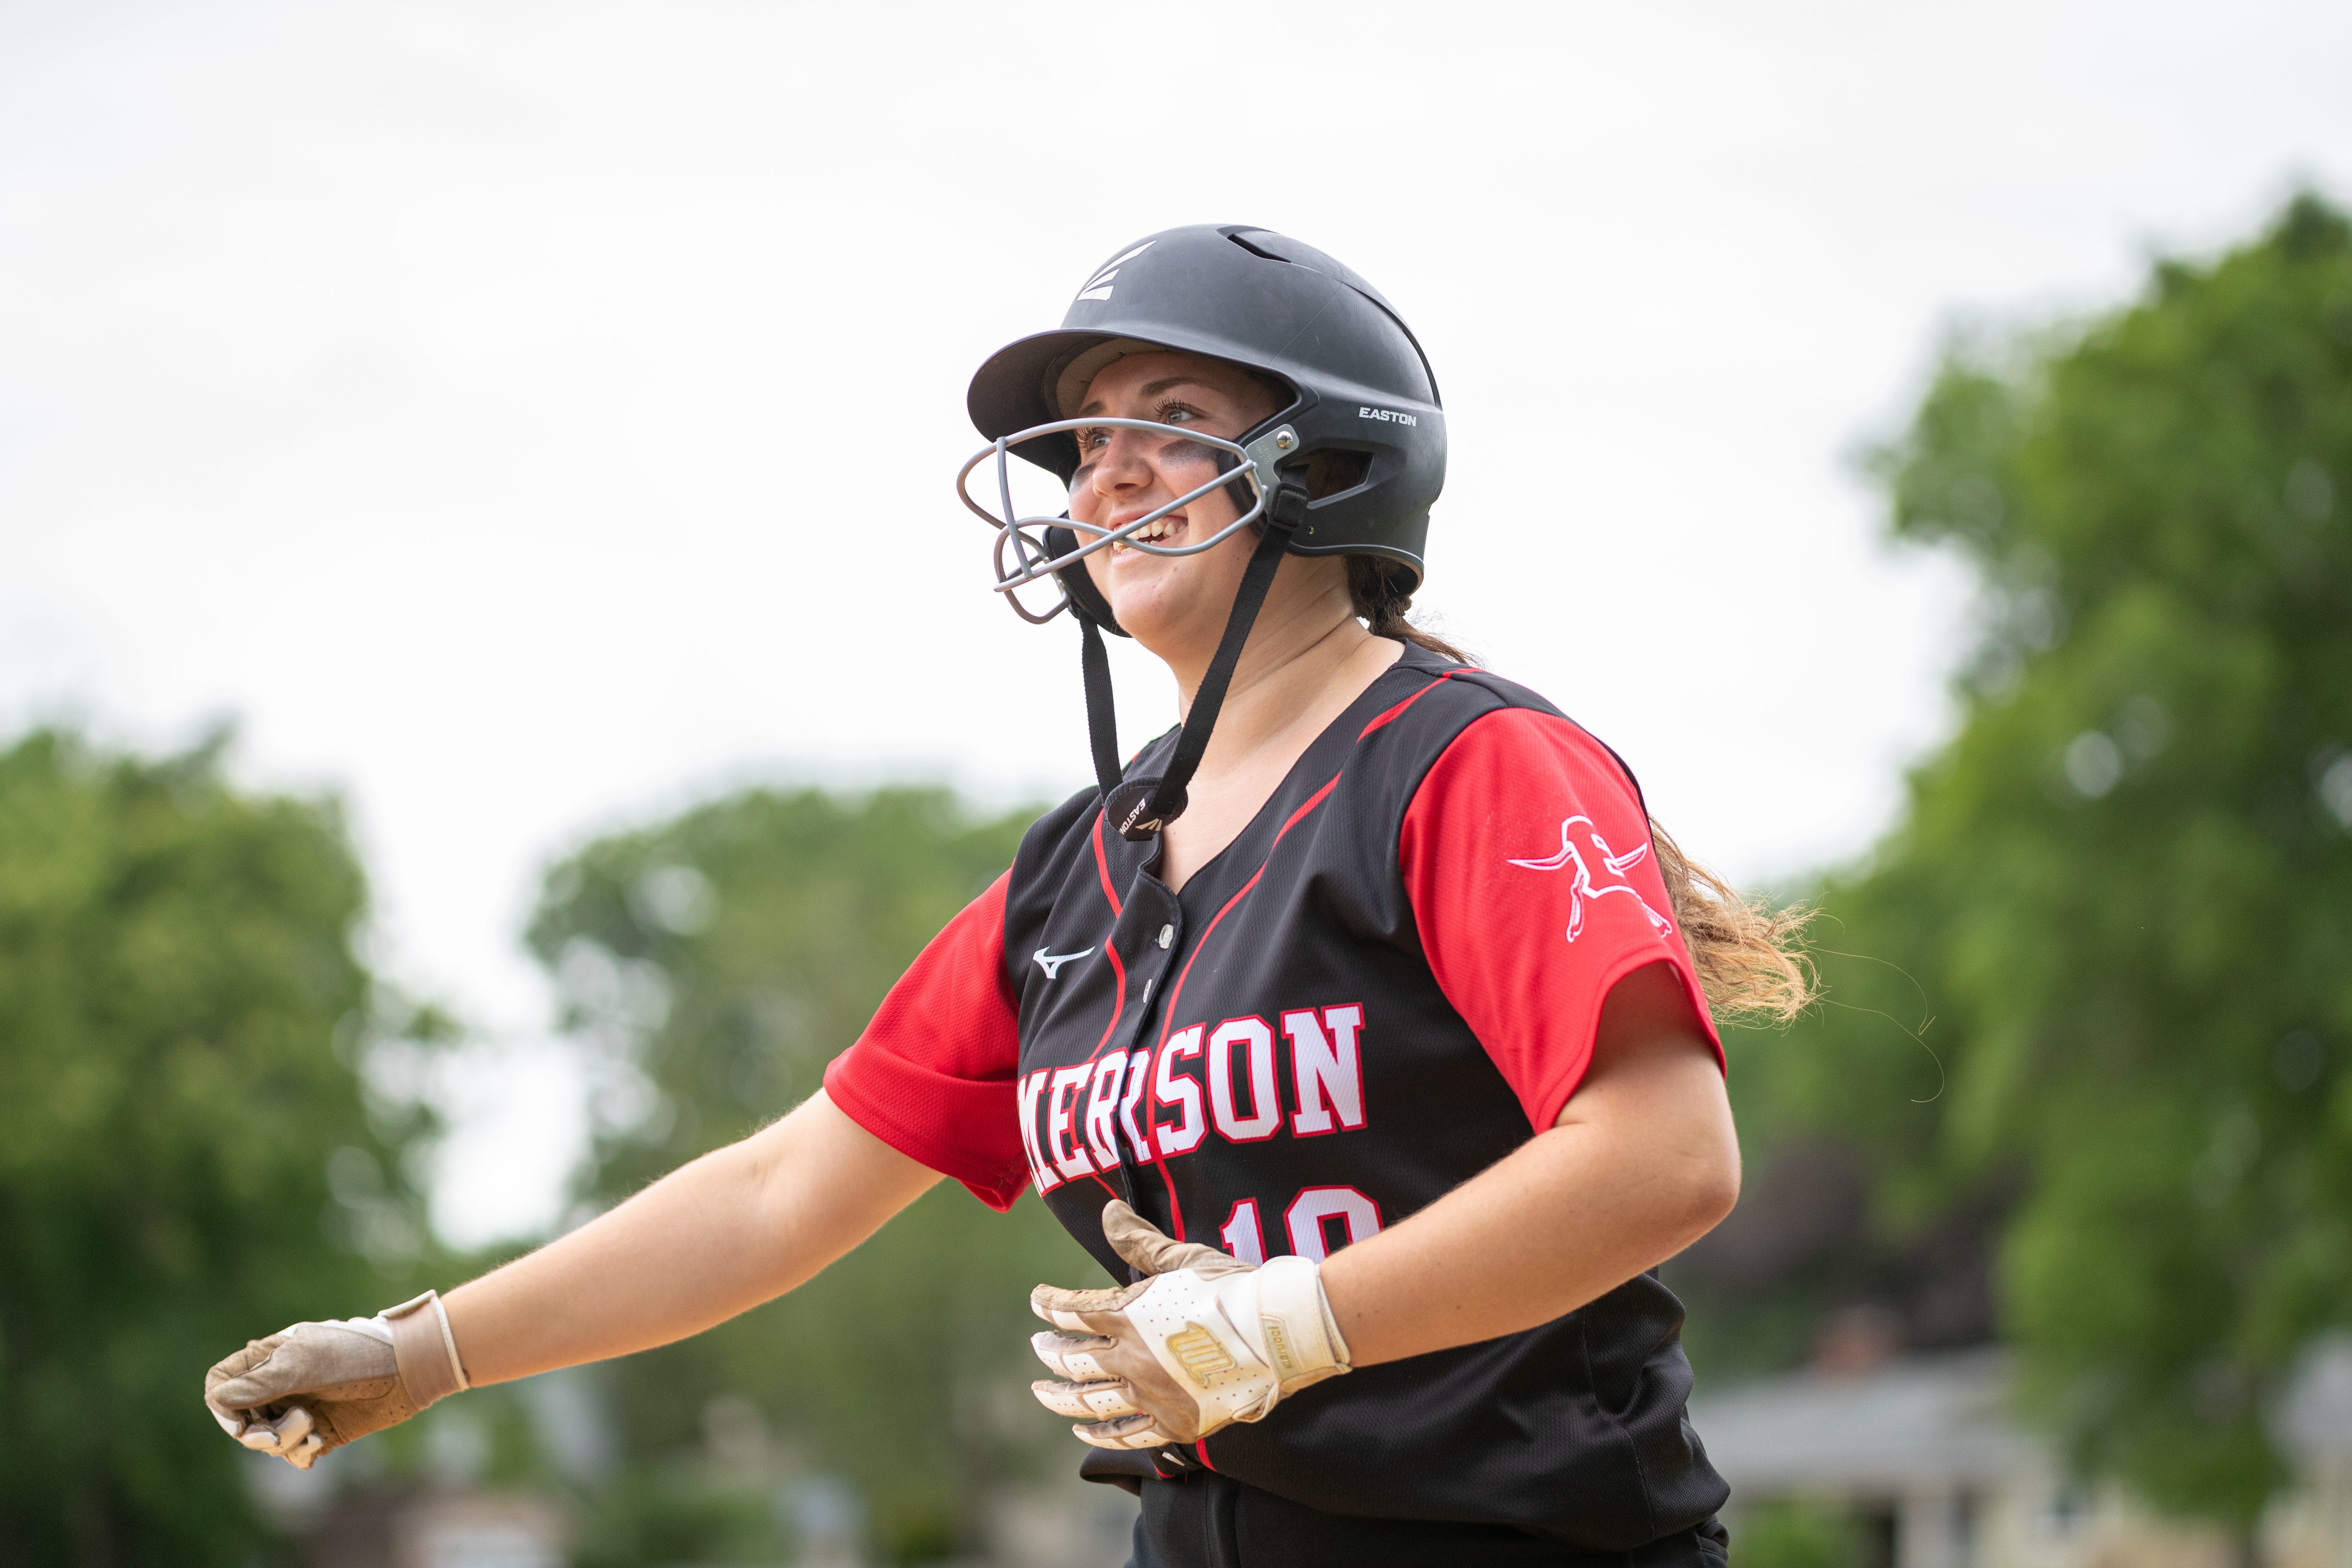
<point>1165,601</point>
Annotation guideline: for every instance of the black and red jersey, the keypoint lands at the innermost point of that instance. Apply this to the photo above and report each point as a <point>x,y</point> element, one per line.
<point>1388,981</point>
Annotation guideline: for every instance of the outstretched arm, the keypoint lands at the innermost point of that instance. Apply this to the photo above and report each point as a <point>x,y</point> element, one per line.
<point>723,1234</point>
<point>1642,1162</point>
<point>713,1238</point>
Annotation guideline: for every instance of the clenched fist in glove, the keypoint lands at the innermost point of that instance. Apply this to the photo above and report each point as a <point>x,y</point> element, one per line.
<point>1205,1341</point>
<point>316,1386</point>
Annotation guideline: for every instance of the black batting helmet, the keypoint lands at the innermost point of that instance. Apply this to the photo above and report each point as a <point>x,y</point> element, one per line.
<point>1359,384</point>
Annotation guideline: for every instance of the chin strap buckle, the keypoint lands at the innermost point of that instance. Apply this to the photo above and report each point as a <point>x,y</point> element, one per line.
<point>1289,508</point>
<point>1128,808</point>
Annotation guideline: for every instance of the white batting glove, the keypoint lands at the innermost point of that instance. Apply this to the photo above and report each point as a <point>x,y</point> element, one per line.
<point>1205,1341</point>
<point>317,1386</point>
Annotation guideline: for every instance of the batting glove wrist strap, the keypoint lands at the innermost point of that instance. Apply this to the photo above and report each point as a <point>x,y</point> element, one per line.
<point>1203,1341</point>
<point>425,1350</point>
<point>1281,1309</point>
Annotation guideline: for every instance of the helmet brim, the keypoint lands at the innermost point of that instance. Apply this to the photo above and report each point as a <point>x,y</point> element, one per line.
<point>1038,379</point>
<point>1014,389</point>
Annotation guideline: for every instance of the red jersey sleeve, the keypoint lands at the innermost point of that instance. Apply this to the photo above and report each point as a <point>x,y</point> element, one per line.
<point>934,1074</point>
<point>1527,856</point>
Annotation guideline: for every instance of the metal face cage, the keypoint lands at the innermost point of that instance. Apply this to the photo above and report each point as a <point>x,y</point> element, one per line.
<point>1033,557</point>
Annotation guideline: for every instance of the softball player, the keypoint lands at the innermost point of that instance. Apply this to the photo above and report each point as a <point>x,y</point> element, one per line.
<point>1357,1025</point>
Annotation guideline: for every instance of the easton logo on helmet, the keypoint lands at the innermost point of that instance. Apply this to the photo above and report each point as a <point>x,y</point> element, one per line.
<point>1387,414</point>
<point>1098,286</point>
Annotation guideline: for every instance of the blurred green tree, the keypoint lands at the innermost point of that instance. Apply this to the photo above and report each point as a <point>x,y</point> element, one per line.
<point>1796,1533</point>
<point>2123,892</point>
<point>709,968</point>
<point>187,1157</point>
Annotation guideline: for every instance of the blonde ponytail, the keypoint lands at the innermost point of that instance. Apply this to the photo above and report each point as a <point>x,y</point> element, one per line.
<point>1750,957</point>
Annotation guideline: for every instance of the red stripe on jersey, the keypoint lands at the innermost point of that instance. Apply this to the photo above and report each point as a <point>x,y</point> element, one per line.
<point>1168,1011</point>
<point>1119,997</point>
<point>1527,856</point>
<point>1292,820</point>
<point>1118,994</point>
<point>1390,716</point>
<point>1102,868</point>
<point>1175,1207</point>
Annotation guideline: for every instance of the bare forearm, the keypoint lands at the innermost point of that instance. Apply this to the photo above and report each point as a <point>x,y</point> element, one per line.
<point>682,1255</point>
<point>716,1238</point>
<point>1643,1163</point>
<point>1536,1236</point>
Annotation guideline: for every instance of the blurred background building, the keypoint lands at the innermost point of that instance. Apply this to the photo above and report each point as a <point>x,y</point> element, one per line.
<point>1925,1462</point>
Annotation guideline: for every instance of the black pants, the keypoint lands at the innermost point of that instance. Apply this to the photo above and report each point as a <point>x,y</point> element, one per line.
<point>1210,1522</point>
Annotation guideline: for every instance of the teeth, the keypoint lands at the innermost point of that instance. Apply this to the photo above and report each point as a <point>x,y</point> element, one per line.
<point>1151,535</point>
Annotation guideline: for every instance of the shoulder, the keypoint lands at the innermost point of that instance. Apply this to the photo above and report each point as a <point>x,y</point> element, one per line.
<point>1055,830</point>
<point>1509,749</point>
<point>1058,844</point>
<point>1486,729</point>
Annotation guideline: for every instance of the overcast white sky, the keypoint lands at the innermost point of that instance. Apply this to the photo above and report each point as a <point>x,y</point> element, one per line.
<point>526,418</point>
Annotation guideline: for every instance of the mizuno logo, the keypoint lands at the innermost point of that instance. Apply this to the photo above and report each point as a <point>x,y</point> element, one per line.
<point>1051,963</point>
<point>1098,286</point>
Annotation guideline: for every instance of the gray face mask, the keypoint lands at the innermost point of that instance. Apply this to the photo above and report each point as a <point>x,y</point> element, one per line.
<point>1023,552</point>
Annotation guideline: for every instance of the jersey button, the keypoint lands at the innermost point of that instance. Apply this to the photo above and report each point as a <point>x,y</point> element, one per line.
<point>1167,935</point>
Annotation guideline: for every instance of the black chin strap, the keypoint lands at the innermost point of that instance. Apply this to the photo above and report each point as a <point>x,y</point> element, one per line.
<point>1102,717</point>
<point>1142,807</point>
